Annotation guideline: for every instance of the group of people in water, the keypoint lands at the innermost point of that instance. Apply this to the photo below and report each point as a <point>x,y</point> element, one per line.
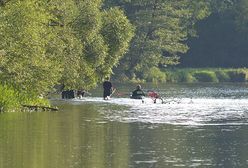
<point>138,93</point>
<point>109,90</point>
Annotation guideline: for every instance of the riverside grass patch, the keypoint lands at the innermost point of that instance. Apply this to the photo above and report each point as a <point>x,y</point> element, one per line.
<point>214,75</point>
<point>11,100</point>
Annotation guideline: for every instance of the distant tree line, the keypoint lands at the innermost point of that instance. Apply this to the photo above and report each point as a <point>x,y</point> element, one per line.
<point>222,37</point>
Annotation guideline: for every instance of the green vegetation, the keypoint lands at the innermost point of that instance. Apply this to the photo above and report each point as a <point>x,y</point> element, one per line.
<point>72,43</point>
<point>193,75</point>
<point>162,27</point>
<point>12,100</point>
<point>76,44</point>
<point>222,37</point>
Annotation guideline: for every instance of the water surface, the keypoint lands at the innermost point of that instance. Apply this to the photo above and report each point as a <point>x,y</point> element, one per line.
<point>197,126</point>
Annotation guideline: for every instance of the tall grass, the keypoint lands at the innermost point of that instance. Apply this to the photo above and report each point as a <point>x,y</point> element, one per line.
<point>215,75</point>
<point>11,99</point>
<point>205,76</point>
<point>155,75</point>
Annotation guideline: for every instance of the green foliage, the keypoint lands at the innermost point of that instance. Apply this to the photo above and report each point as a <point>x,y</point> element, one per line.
<point>104,38</point>
<point>11,99</point>
<point>222,37</point>
<point>192,75</point>
<point>117,32</point>
<point>222,76</point>
<point>24,36</point>
<point>74,43</point>
<point>205,76</point>
<point>182,76</point>
<point>237,76</point>
<point>241,16</point>
<point>162,26</point>
<point>155,75</point>
<point>179,75</point>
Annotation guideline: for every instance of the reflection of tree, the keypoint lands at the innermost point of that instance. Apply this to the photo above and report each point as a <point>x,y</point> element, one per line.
<point>75,138</point>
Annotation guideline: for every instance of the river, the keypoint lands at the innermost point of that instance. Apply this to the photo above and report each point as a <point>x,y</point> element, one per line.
<point>198,125</point>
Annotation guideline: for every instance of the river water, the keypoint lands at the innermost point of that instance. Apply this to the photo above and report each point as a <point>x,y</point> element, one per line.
<point>198,125</point>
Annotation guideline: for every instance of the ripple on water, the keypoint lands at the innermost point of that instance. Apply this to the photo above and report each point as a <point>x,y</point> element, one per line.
<point>184,111</point>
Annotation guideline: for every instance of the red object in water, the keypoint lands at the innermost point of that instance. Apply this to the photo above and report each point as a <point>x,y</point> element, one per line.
<point>153,94</point>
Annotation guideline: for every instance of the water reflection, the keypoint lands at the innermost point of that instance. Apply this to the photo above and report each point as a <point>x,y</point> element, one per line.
<point>92,133</point>
<point>76,137</point>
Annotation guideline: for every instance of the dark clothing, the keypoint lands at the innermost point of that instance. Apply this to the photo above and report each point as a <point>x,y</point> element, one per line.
<point>68,94</point>
<point>137,94</point>
<point>80,93</point>
<point>107,88</point>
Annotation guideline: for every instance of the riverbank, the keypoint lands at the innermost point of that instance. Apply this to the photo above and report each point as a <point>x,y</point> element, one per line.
<point>191,75</point>
<point>12,100</point>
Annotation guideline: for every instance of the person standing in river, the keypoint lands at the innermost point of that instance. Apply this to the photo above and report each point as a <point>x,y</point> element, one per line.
<point>138,93</point>
<point>107,89</point>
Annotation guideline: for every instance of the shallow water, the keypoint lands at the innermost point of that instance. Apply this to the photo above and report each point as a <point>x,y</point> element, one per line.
<point>197,126</point>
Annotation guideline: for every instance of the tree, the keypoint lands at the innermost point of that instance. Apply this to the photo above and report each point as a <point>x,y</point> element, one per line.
<point>72,42</point>
<point>222,37</point>
<point>105,35</point>
<point>162,26</point>
<point>24,36</point>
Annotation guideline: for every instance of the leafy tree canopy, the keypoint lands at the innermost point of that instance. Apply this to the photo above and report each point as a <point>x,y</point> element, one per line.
<point>70,42</point>
<point>162,26</point>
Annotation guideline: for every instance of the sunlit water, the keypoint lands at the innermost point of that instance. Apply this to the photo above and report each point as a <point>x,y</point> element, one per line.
<point>196,126</point>
<point>175,111</point>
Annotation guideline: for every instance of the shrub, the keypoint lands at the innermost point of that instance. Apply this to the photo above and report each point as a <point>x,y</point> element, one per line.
<point>185,77</point>
<point>237,75</point>
<point>205,76</point>
<point>12,100</point>
<point>9,99</point>
<point>222,76</point>
<point>155,75</point>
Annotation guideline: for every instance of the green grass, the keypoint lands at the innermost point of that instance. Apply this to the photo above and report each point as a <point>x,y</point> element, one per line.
<point>214,75</point>
<point>190,75</point>
<point>11,99</point>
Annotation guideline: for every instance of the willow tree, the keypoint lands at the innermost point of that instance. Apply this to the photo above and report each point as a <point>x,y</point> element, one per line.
<point>24,36</point>
<point>71,42</point>
<point>95,28</point>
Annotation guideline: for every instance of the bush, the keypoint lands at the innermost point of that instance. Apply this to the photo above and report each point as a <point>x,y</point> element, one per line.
<point>222,76</point>
<point>180,76</point>
<point>155,75</point>
<point>9,99</point>
<point>237,75</point>
<point>186,77</point>
<point>205,76</point>
<point>190,75</point>
<point>12,100</point>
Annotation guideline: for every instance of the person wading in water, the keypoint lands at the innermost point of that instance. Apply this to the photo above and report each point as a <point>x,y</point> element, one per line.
<point>107,89</point>
<point>138,93</point>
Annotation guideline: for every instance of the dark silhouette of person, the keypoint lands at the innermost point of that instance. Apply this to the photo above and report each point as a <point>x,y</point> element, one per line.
<point>138,93</point>
<point>107,89</point>
<point>68,94</point>
<point>80,93</point>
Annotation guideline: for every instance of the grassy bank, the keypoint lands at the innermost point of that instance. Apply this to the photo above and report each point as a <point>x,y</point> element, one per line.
<point>11,99</point>
<point>191,75</point>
